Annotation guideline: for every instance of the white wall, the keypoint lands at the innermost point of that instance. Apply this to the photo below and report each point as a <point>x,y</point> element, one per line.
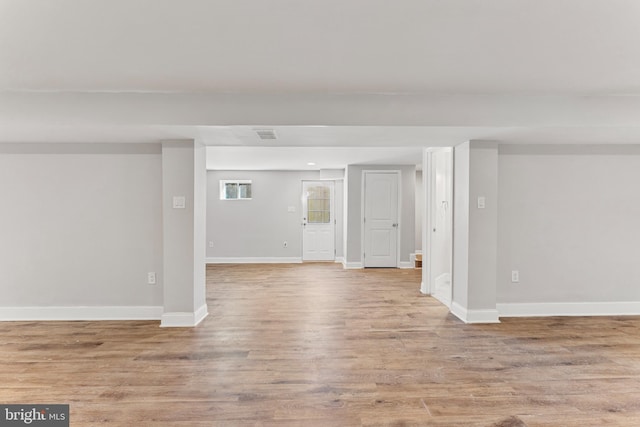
<point>81,225</point>
<point>461,188</point>
<point>569,222</point>
<point>184,175</point>
<point>483,226</point>
<point>258,227</point>
<point>475,232</point>
<point>354,212</point>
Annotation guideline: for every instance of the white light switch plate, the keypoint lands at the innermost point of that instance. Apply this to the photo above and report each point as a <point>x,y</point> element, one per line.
<point>481,202</point>
<point>179,202</point>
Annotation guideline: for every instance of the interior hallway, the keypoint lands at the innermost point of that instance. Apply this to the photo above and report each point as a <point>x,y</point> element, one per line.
<point>314,344</point>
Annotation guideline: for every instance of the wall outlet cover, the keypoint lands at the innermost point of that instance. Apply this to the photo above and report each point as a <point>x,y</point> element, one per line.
<point>515,276</point>
<point>179,202</point>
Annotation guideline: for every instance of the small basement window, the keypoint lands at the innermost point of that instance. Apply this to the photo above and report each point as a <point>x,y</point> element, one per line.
<point>239,189</point>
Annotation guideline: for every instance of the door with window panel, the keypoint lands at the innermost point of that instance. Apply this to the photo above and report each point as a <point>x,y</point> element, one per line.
<point>318,221</point>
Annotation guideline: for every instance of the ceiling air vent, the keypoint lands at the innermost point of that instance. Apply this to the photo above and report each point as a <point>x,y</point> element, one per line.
<point>265,134</point>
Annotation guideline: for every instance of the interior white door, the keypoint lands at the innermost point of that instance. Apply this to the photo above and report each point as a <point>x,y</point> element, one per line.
<point>441,239</point>
<point>318,222</point>
<point>380,219</point>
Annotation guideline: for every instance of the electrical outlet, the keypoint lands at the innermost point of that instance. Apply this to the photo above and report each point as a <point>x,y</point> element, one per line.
<point>151,278</point>
<point>210,243</point>
<point>515,276</point>
<point>285,244</point>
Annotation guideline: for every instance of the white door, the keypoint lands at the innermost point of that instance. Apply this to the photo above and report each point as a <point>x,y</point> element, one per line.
<point>441,220</point>
<point>380,219</point>
<point>318,222</point>
<point>438,223</point>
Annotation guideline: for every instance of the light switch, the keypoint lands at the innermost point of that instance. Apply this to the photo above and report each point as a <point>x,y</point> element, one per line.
<point>179,202</point>
<point>481,202</point>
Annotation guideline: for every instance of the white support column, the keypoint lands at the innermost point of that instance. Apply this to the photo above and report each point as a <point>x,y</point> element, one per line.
<point>183,217</point>
<point>475,232</point>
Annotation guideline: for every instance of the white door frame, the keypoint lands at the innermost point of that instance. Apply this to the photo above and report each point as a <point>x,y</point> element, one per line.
<point>428,222</point>
<point>398,172</point>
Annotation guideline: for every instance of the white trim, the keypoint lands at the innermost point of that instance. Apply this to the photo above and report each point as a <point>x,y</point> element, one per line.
<point>423,288</point>
<point>184,319</point>
<point>339,260</point>
<point>81,313</point>
<point>201,313</point>
<point>406,264</point>
<point>253,260</point>
<point>474,316</point>
<point>353,265</point>
<point>621,308</point>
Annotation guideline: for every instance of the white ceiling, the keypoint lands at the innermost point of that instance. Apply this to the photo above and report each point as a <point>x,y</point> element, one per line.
<point>377,73</point>
<point>370,46</point>
<point>308,158</point>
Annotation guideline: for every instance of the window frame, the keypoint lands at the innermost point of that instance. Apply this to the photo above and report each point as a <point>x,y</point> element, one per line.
<point>237,182</point>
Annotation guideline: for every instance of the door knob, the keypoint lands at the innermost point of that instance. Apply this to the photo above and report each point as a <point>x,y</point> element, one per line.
<point>395,225</point>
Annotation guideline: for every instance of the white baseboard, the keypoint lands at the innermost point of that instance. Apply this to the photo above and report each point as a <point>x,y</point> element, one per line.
<point>339,260</point>
<point>253,260</point>
<point>423,288</point>
<point>81,313</point>
<point>353,265</point>
<point>474,316</point>
<point>631,308</point>
<point>406,264</point>
<point>201,313</point>
<point>184,319</point>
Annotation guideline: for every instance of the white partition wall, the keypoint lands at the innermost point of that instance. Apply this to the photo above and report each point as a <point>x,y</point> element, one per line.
<point>184,222</point>
<point>475,232</point>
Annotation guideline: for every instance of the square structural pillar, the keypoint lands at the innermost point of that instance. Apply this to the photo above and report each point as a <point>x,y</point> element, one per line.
<point>475,225</point>
<point>184,225</point>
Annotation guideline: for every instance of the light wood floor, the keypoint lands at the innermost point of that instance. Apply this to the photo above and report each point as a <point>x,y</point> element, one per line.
<point>315,345</point>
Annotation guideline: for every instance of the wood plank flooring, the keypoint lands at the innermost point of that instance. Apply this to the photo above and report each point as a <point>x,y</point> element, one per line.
<point>316,345</point>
